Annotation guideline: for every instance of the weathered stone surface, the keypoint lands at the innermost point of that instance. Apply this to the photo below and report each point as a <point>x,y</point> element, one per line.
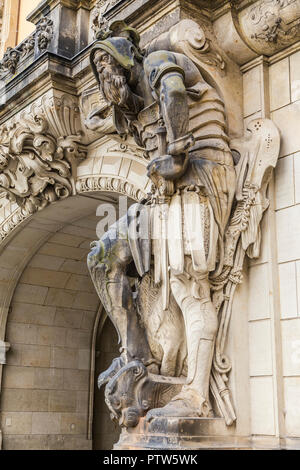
<point>181,434</point>
<point>53,287</point>
<point>194,261</point>
<point>46,423</point>
<point>279,86</point>
<point>25,400</point>
<point>28,313</point>
<point>288,290</point>
<point>76,380</point>
<point>260,345</point>
<point>48,379</point>
<point>64,358</point>
<point>262,406</point>
<point>62,401</point>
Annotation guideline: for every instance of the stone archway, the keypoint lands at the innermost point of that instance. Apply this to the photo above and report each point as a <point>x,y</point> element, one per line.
<point>105,432</point>
<point>48,309</point>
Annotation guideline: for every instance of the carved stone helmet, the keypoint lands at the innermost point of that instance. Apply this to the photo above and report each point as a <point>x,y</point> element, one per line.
<point>122,43</point>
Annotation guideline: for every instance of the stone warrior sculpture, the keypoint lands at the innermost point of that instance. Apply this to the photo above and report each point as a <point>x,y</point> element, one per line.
<point>173,327</point>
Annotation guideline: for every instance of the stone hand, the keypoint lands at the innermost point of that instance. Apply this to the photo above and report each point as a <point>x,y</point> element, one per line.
<point>169,167</point>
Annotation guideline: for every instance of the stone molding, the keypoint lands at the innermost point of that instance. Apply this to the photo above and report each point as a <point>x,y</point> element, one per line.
<point>110,184</point>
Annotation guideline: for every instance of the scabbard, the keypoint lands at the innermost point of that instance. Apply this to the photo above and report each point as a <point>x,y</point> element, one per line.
<point>193,222</point>
<point>164,212</point>
<point>175,237</point>
<point>156,241</point>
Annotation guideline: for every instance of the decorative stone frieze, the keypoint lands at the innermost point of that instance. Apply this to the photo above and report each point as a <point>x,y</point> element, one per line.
<point>44,33</point>
<point>9,62</point>
<point>110,184</point>
<point>13,56</point>
<point>27,46</point>
<point>4,347</point>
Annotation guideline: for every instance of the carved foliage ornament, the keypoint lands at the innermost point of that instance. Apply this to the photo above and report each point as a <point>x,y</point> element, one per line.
<point>37,160</point>
<point>99,23</point>
<point>43,35</point>
<point>10,61</point>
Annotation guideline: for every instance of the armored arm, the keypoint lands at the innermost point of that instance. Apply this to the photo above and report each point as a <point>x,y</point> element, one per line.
<point>166,79</point>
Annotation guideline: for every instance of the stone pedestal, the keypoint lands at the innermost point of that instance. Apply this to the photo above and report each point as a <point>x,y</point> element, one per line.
<point>182,434</point>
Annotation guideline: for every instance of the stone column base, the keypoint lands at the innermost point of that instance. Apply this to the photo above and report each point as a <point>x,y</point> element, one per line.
<point>182,434</point>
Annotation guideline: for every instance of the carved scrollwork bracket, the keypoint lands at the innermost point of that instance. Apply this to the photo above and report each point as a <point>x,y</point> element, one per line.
<point>39,153</point>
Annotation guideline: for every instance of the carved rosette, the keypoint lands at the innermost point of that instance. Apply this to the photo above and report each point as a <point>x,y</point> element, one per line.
<point>39,153</point>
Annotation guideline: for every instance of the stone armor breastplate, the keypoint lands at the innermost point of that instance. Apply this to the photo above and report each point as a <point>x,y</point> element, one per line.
<point>206,122</point>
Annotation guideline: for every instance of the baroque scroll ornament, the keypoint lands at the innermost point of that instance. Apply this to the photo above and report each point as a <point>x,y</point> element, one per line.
<point>185,244</point>
<point>44,33</point>
<point>38,157</point>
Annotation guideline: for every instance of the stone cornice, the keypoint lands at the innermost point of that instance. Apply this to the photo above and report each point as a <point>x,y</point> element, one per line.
<point>47,5</point>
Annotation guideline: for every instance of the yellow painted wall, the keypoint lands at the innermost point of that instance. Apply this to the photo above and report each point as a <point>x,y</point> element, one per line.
<point>25,28</point>
<point>15,28</point>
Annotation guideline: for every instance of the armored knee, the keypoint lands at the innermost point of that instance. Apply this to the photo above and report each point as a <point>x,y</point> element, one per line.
<point>201,316</point>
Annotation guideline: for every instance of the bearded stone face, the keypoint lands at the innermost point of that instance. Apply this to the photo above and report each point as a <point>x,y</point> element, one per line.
<point>112,79</point>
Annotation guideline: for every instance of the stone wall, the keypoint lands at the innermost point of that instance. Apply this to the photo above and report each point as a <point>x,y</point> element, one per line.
<point>46,294</point>
<point>285,111</point>
<point>272,90</point>
<point>45,398</point>
<point>105,432</point>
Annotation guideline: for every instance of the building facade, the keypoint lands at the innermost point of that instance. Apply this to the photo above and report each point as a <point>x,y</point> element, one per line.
<point>55,337</point>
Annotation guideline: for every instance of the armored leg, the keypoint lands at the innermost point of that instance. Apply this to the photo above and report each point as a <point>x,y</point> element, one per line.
<point>200,317</point>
